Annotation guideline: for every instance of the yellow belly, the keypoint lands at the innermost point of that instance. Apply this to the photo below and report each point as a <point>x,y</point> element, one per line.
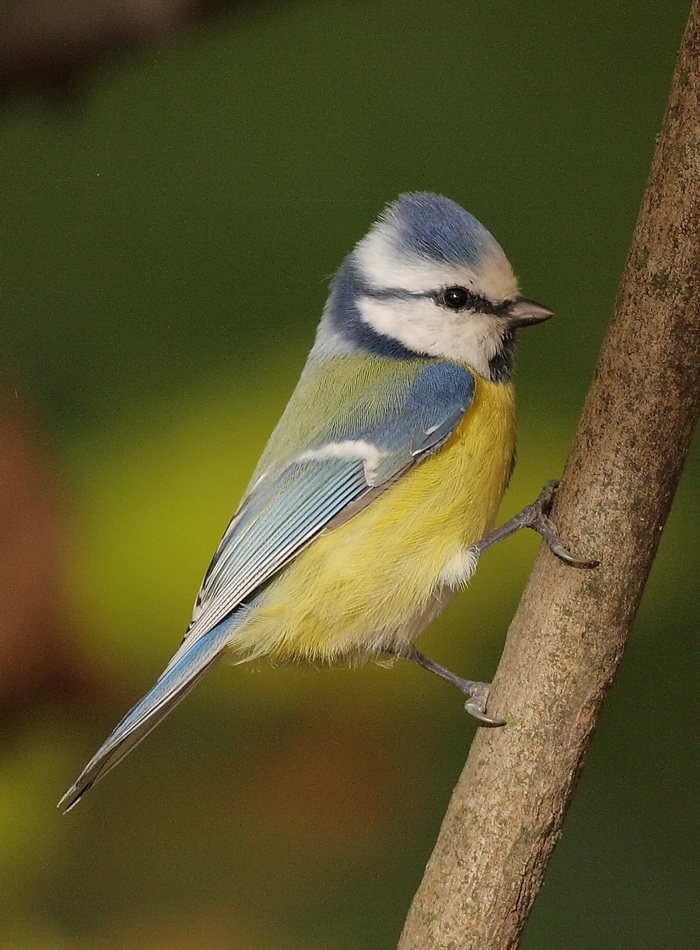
<point>358,590</point>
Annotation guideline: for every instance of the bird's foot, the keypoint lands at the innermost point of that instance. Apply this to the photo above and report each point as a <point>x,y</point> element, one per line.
<point>535,516</point>
<point>476,693</point>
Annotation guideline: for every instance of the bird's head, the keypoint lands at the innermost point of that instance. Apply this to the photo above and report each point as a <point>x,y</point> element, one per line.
<point>428,280</point>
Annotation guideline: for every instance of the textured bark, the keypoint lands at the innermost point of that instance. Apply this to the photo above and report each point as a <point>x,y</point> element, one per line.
<point>567,638</point>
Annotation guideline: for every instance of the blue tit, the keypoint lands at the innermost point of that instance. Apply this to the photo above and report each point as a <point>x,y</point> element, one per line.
<point>387,465</point>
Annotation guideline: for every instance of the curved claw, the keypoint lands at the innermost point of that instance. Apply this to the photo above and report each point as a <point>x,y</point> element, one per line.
<point>476,705</point>
<point>536,518</point>
<point>540,523</point>
<point>558,549</point>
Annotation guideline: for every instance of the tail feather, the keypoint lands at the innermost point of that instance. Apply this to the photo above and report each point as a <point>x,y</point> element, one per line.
<point>149,711</point>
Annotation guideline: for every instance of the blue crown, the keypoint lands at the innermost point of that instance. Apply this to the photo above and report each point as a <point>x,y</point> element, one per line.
<point>437,228</point>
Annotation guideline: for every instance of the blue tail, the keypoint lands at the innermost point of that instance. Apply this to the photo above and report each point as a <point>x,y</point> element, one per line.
<point>155,705</point>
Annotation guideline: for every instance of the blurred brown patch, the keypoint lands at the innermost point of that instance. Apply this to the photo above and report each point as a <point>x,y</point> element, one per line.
<point>213,929</point>
<point>322,788</point>
<point>37,660</point>
<point>51,46</point>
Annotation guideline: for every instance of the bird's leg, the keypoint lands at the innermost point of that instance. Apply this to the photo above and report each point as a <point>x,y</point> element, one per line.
<point>476,693</point>
<point>535,516</point>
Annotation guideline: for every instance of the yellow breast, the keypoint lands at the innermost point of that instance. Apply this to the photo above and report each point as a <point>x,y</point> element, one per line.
<point>356,588</point>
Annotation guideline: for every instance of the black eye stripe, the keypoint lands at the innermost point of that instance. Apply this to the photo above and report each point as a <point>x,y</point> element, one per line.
<point>477,303</point>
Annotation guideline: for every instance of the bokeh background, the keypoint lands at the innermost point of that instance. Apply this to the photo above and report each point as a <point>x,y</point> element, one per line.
<point>169,226</point>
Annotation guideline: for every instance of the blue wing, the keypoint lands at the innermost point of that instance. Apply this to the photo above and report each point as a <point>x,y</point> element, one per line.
<point>335,475</point>
<point>345,465</point>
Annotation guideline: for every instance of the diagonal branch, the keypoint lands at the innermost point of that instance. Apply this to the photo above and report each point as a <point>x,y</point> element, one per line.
<point>567,638</point>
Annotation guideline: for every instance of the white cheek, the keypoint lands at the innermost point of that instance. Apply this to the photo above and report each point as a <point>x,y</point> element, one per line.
<point>424,327</point>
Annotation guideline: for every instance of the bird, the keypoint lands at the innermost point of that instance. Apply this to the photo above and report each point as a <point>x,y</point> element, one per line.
<point>365,513</point>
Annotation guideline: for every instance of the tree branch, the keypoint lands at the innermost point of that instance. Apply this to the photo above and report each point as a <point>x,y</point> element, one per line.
<point>567,638</point>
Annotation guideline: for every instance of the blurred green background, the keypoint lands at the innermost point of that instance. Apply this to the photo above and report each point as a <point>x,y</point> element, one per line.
<point>168,237</point>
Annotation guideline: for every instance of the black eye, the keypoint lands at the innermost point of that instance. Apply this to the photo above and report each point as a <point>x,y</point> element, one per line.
<point>456,298</point>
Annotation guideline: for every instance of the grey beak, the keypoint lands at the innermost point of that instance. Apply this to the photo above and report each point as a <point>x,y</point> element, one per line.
<point>523,312</point>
